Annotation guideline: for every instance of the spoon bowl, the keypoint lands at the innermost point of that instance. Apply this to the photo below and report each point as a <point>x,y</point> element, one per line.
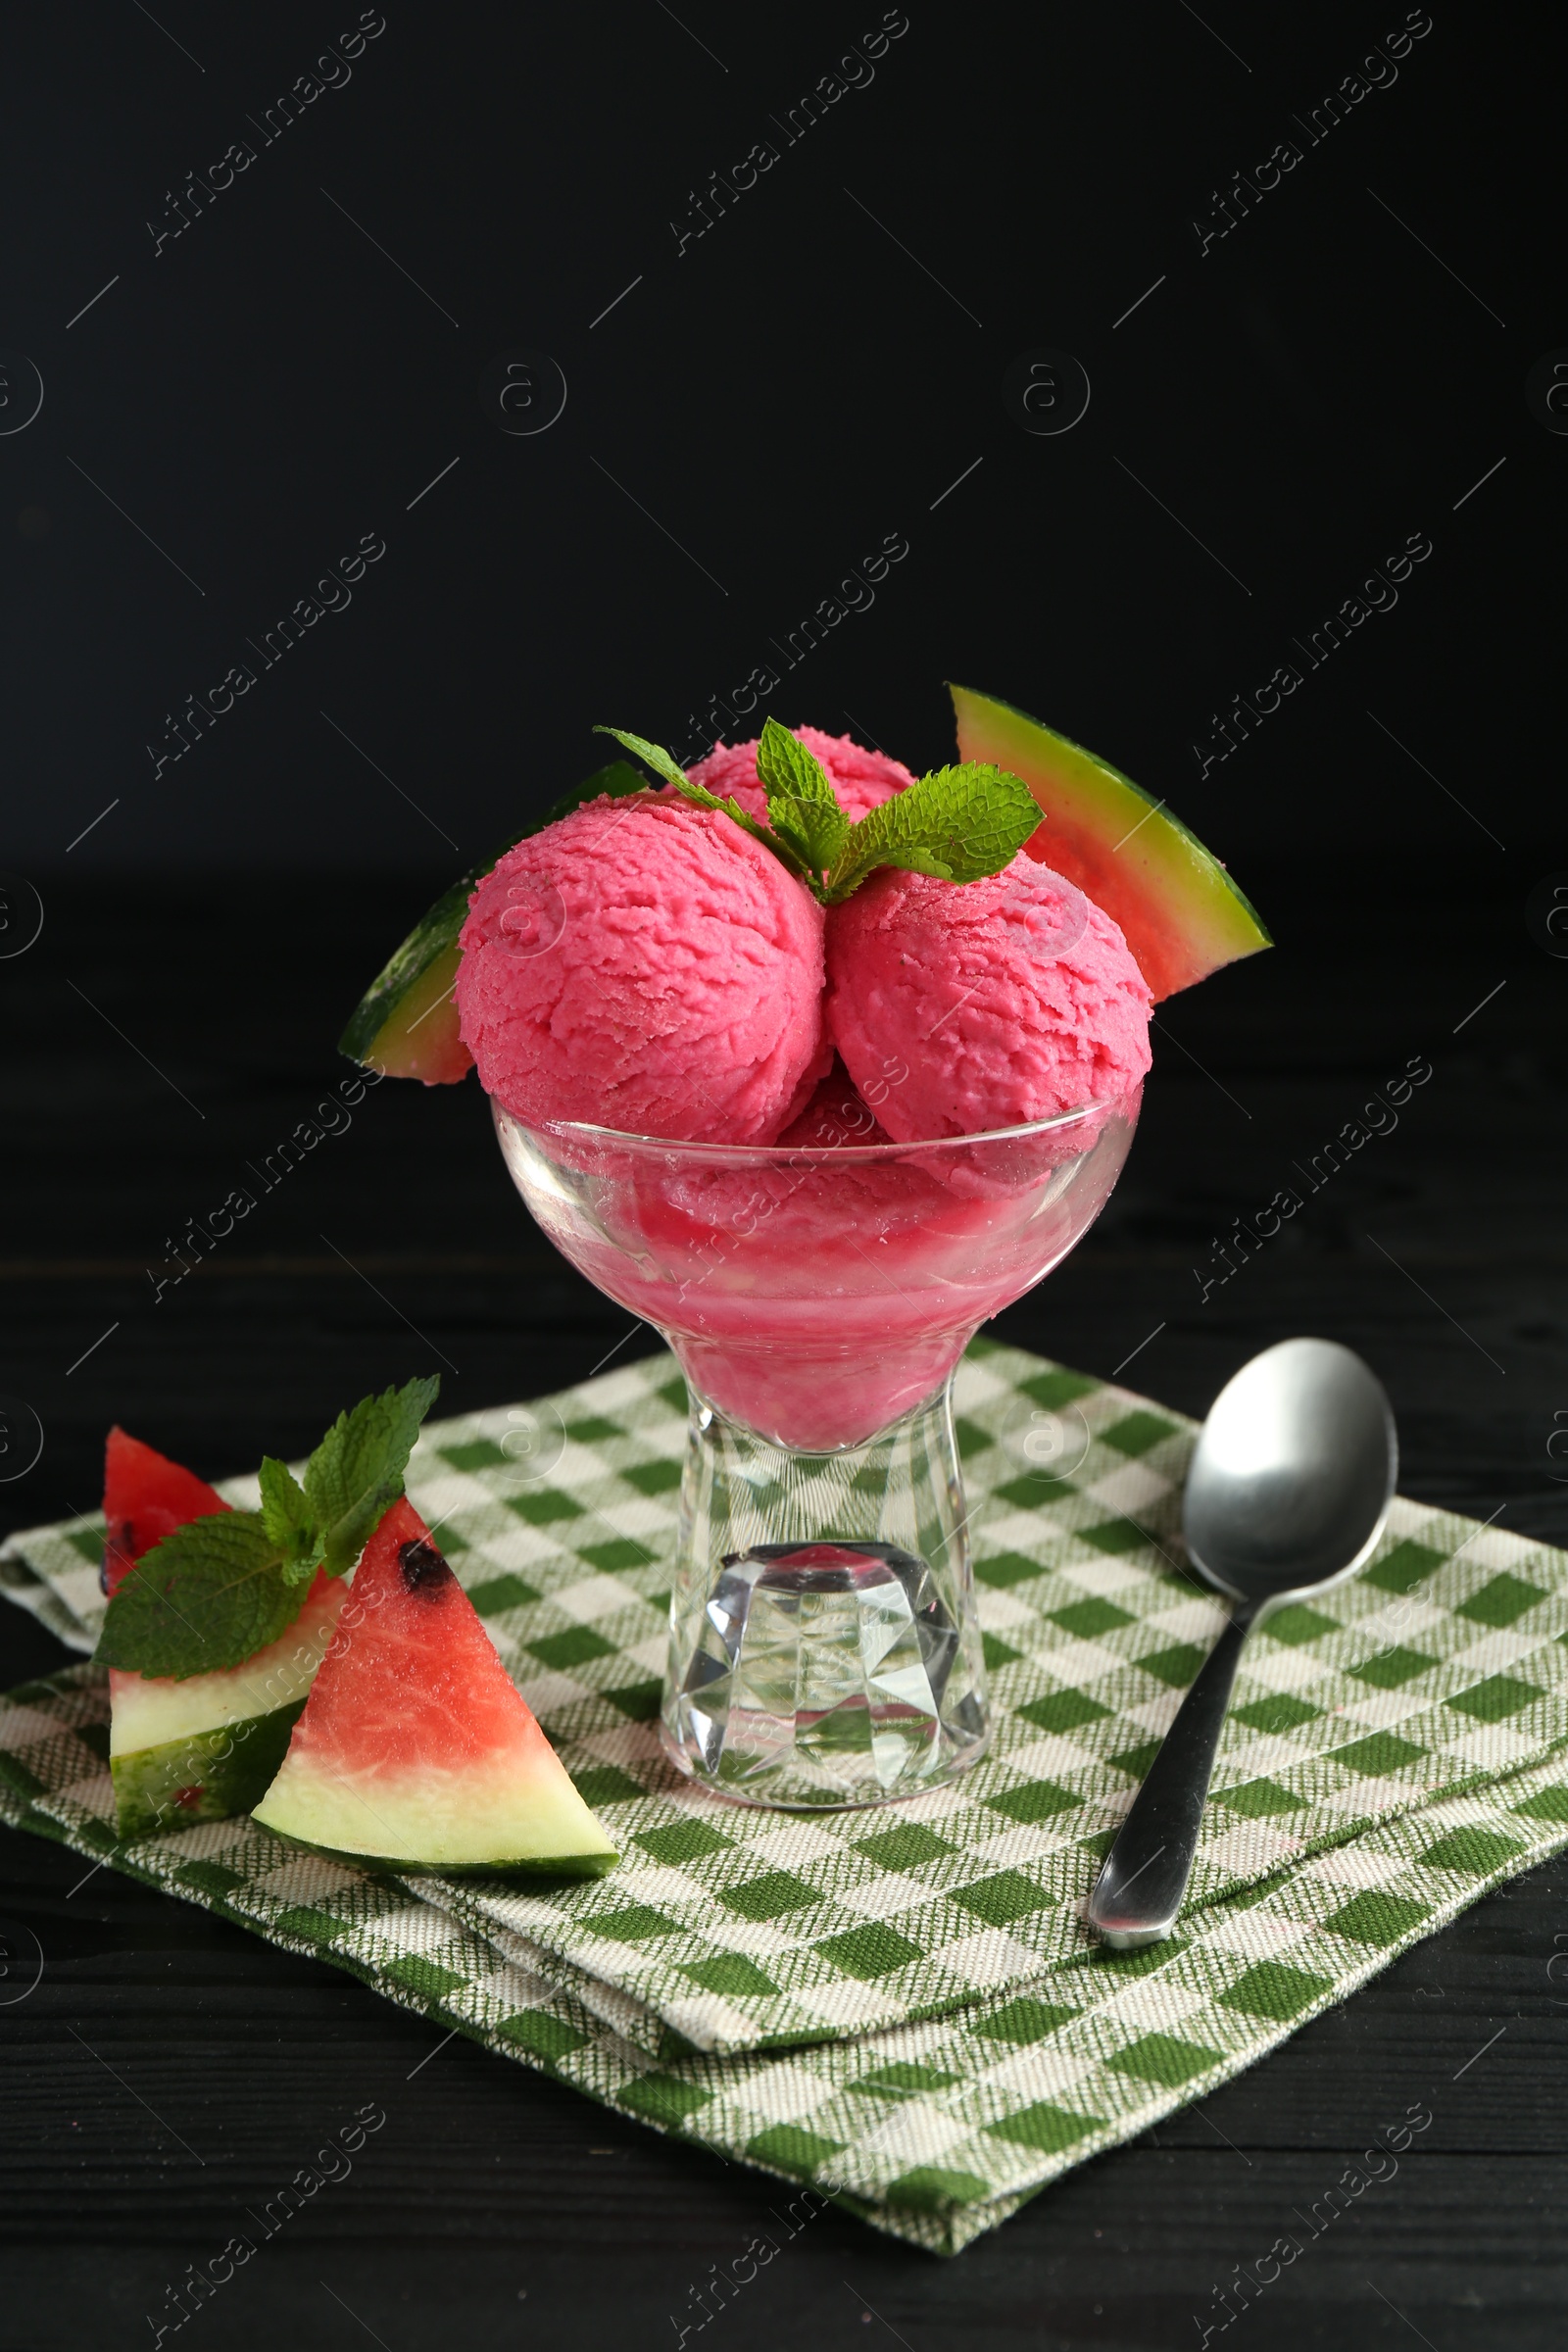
<point>1288,1492</point>
<point>1293,1473</point>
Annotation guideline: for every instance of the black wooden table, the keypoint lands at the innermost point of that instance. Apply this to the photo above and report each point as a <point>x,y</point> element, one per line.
<point>169,2071</point>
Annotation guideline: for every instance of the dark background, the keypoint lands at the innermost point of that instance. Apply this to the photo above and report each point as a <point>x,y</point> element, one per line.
<point>746,425</point>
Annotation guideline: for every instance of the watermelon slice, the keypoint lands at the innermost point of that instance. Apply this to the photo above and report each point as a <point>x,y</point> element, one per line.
<point>416,1750</point>
<point>405,1023</point>
<point>207,1747</point>
<point>146,1496</point>
<point>1180,912</point>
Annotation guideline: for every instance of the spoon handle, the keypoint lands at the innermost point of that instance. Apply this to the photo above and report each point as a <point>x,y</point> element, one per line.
<point>1140,1888</point>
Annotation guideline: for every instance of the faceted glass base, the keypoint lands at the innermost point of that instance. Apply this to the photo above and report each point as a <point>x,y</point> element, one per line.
<point>838,1666</point>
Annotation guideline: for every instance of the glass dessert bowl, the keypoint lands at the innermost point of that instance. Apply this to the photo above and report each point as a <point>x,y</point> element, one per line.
<point>824,1649</point>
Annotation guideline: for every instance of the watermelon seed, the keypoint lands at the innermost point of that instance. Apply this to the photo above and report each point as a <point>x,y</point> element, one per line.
<point>423,1568</point>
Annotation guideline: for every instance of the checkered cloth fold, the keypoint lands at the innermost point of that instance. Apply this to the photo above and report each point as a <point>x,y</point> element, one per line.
<point>902,2007</point>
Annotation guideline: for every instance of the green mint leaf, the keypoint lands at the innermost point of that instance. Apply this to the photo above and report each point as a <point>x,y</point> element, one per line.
<point>958,824</point>
<point>663,765</point>
<point>357,1471</point>
<point>662,762</point>
<point>210,1595</point>
<point>290,1522</point>
<point>222,1586</point>
<point>802,805</point>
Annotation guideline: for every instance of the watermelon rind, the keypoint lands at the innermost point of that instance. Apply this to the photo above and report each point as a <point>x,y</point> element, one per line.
<point>210,1746</point>
<point>400,1026</point>
<point>419,1038</point>
<point>1180,914</point>
<point>515,1866</point>
<point>207,1775</point>
<point>504,1817</point>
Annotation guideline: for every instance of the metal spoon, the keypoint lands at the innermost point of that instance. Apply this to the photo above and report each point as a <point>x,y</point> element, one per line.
<point>1288,1491</point>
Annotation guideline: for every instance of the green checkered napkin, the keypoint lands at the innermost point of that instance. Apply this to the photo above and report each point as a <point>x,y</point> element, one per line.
<point>902,2005</point>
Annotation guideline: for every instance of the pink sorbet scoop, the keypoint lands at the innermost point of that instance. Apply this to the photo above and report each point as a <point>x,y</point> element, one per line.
<point>648,966</point>
<point>835,1119</point>
<point>960,1010</point>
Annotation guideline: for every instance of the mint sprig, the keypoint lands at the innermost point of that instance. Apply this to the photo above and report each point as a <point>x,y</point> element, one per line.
<point>290,1524</point>
<point>222,1586</point>
<point>356,1470</point>
<point>959,823</point>
<point>803,808</point>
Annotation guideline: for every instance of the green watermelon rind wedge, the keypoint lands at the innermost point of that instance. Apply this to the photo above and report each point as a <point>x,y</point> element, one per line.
<point>549,1866</point>
<point>542,1827</point>
<point>405,1023</point>
<point>206,1776</point>
<point>211,1745</point>
<point>1182,916</point>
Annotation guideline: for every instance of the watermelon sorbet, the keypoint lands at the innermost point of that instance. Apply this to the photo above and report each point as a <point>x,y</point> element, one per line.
<point>646,965</point>
<point>818,1292</point>
<point>961,1012</point>
<point>818,1237</point>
